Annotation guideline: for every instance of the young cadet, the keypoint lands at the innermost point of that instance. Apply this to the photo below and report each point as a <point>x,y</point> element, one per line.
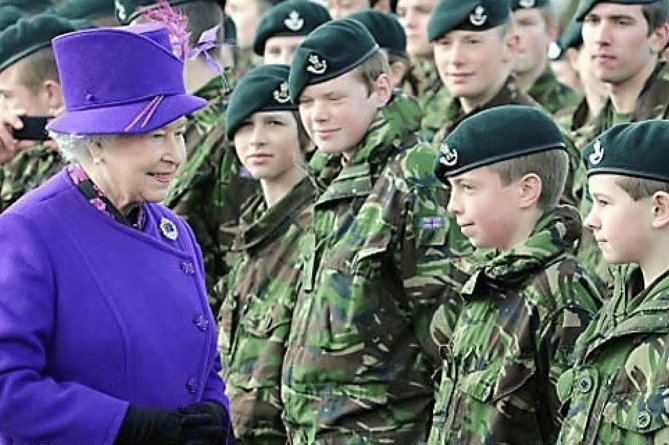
<point>254,320</point>
<point>536,25</point>
<point>284,26</point>
<point>528,299</point>
<point>474,49</point>
<point>625,43</point>
<point>359,360</point>
<point>617,390</point>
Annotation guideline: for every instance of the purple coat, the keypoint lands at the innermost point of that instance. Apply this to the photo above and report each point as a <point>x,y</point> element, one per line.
<point>94,316</point>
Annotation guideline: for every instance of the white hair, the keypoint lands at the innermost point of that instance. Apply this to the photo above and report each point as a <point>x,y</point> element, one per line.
<point>74,147</point>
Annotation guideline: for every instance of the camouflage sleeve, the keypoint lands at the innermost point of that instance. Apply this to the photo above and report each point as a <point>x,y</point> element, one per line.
<point>430,280</point>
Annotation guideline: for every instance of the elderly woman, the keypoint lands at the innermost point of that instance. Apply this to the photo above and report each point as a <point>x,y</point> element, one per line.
<point>106,336</point>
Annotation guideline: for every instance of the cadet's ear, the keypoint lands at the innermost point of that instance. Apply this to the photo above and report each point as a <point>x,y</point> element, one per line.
<point>53,94</point>
<point>530,187</point>
<point>383,89</point>
<point>660,216</point>
<point>511,43</point>
<point>659,37</point>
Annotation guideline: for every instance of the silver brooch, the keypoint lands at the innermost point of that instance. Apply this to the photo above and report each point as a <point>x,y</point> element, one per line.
<point>449,155</point>
<point>294,22</point>
<point>316,64</point>
<point>597,154</point>
<point>478,17</point>
<point>281,94</point>
<point>168,229</point>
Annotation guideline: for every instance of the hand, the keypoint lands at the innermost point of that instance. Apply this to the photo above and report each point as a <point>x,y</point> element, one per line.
<point>148,426</point>
<point>9,120</point>
<point>206,423</point>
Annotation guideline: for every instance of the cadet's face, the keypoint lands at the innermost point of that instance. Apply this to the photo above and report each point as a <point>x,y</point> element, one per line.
<point>475,201</point>
<point>341,8</point>
<point>621,226</point>
<point>337,113</point>
<point>14,95</point>
<point>281,49</point>
<point>472,64</point>
<point>414,15</point>
<point>268,146</point>
<point>138,168</point>
<point>533,40</point>
<point>616,38</point>
<point>246,16</point>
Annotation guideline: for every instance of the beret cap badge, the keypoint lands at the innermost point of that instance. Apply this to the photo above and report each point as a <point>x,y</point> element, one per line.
<point>294,22</point>
<point>449,155</point>
<point>598,153</point>
<point>281,95</point>
<point>120,9</point>
<point>316,64</point>
<point>478,16</point>
<point>526,3</point>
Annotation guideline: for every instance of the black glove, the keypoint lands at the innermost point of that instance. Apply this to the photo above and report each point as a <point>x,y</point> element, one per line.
<point>206,423</point>
<point>149,426</point>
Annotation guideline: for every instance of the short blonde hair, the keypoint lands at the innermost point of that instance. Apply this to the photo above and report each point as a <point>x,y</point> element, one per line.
<point>370,70</point>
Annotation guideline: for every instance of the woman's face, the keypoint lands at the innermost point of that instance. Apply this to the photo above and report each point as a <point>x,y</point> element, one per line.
<point>268,146</point>
<point>131,169</point>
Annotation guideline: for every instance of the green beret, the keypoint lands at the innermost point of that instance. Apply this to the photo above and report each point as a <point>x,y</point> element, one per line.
<point>29,6</point>
<point>264,88</point>
<point>128,10</point>
<point>80,9</point>
<point>495,135</point>
<point>571,37</point>
<point>385,28</point>
<point>229,30</point>
<point>469,15</point>
<point>586,5</point>
<point>32,33</point>
<point>334,48</point>
<point>10,15</point>
<point>527,4</point>
<point>289,18</point>
<point>636,149</point>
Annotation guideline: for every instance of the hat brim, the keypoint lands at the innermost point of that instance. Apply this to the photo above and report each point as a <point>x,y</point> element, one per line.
<point>117,119</point>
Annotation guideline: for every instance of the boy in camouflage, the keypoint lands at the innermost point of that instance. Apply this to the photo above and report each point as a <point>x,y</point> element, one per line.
<point>528,298</point>
<point>359,361</point>
<point>617,390</point>
<point>259,292</point>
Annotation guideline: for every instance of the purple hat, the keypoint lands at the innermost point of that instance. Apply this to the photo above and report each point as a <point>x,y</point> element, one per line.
<point>120,81</point>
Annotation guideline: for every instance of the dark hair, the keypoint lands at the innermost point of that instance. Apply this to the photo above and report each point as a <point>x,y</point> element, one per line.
<point>655,14</point>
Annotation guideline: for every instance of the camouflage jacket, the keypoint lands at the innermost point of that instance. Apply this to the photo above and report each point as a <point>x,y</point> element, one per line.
<point>653,103</point>
<point>523,310</point>
<point>431,94</point>
<point>552,95</point>
<point>254,320</point>
<point>210,189</point>
<point>617,391</point>
<point>359,363</point>
<point>25,171</point>
<point>453,113</point>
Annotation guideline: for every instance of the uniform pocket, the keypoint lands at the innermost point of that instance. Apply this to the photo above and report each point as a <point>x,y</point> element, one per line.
<point>641,413</point>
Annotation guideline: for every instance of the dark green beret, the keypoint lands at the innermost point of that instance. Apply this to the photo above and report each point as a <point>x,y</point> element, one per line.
<point>80,9</point>
<point>128,10</point>
<point>470,15</point>
<point>495,135</point>
<point>229,30</point>
<point>571,37</point>
<point>334,48</point>
<point>264,88</point>
<point>29,6</point>
<point>527,4</point>
<point>386,29</point>
<point>10,15</point>
<point>586,5</point>
<point>289,18</point>
<point>636,149</point>
<point>32,33</point>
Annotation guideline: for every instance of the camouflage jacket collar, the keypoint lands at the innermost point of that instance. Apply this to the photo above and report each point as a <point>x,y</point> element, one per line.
<point>392,130</point>
<point>509,94</point>
<point>633,309</point>
<point>555,233</point>
<point>652,102</point>
<point>258,223</point>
